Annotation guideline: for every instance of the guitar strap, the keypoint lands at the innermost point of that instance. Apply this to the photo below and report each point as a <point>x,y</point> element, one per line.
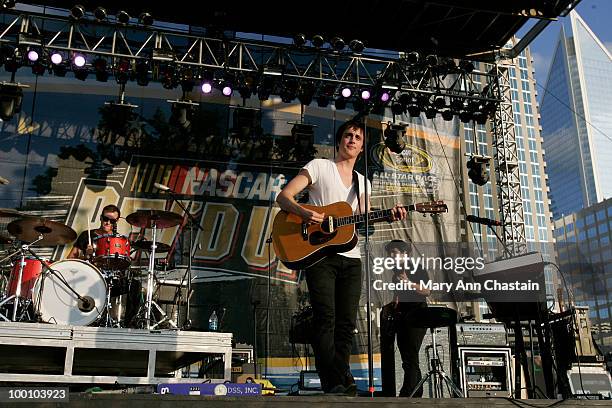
<point>356,183</point>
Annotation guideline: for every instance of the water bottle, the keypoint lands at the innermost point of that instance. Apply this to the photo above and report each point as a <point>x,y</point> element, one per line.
<point>213,322</point>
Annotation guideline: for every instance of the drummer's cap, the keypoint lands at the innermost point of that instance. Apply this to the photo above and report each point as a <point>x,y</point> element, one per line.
<point>403,246</point>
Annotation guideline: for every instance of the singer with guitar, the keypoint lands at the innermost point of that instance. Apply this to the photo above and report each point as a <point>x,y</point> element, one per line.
<point>334,282</point>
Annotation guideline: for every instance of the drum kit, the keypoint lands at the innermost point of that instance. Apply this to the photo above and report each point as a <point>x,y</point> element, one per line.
<point>103,290</point>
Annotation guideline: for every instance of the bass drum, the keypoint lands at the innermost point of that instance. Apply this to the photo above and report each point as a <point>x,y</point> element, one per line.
<point>59,305</point>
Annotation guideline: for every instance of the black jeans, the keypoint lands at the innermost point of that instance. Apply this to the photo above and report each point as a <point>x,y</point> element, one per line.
<point>334,286</point>
<point>393,323</point>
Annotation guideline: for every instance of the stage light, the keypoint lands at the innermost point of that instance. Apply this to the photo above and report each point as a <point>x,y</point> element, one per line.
<point>33,55</point>
<point>77,12</point>
<point>227,90</point>
<point>478,171</point>
<point>56,58</point>
<point>397,108</point>
<point>8,4</point>
<point>14,61</point>
<point>337,43</point>
<point>385,96</point>
<point>122,71</point>
<point>447,115</point>
<point>317,41</point>
<point>440,102</point>
<point>188,79</point>
<point>365,94</point>
<point>306,93</point>
<point>180,113</point>
<point>38,68</point>
<point>394,138</point>
<point>99,66</point>
<point>340,103</point>
<point>413,57</point>
<point>59,69</point>
<point>79,61</point>
<point>142,73</point>
<point>414,109</point>
<point>431,60</point>
<point>356,46</point>
<point>466,66</point>
<point>100,13</point>
<point>322,101</point>
<point>265,88</point>
<point>346,92</point>
<point>80,74</point>
<point>123,17</point>
<point>206,87</point>
<point>299,40</point>
<point>145,19</point>
<point>169,80</point>
<point>431,112</point>
<point>11,96</point>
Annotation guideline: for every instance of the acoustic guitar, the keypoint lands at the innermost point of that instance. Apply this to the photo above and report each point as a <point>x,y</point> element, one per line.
<point>299,244</point>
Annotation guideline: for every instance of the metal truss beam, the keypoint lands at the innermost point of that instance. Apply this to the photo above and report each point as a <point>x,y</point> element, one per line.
<point>162,47</point>
<point>507,169</point>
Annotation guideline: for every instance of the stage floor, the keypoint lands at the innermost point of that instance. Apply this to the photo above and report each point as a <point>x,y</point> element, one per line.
<point>47,353</point>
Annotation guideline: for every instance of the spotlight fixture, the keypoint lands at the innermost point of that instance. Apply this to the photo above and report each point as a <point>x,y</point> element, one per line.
<point>56,58</point>
<point>340,103</point>
<point>180,113</point>
<point>439,102</point>
<point>397,108</point>
<point>394,138</point>
<point>299,40</point>
<point>431,112</point>
<point>11,96</point>
<point>385,96</point>
<point>169,80</point>
<point>142,73</point>
<point>99,66</point>
<point>100,13</point>
<point>33,55</point>
<point>123,17</point>
<point>356,46</point>
<point>306,93</point>
<point>265,88</point>
<point>188,80</point>
<point>7,4</point>
<point>145,19</point>
<point>122,71</point>
<point>447,115</point>
<point>317,41</point>
<point>322,101</point>
<point>77,12</point>
<point>413,57</point>
<point>346,92</point>
<point>13,61</point>
<point>79,61</point>
<point>227,90</point>
<point>206,87</point>
<point>59,69</point>
<point>431,60</point>
<point>289,90</point>
<point>478,169</point>
<point>466,66</point>
<point>337,43</point>
<point>365,94</point>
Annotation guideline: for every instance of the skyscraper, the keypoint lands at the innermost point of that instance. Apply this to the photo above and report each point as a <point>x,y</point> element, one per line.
<point>577,119</point>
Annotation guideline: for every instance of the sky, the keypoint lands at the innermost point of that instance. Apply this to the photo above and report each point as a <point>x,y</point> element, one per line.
<point>598,16</point>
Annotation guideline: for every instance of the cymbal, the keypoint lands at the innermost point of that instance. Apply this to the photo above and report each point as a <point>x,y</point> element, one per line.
<point>54,233</point>
<point>146,219</point>
<point>146,246</point>
<point>7,212</point>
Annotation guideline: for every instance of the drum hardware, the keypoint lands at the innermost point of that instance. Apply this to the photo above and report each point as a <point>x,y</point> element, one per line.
<point>31,229</point>
<point>153,219</point>
<point>187,276</point>
<point>144,245</point>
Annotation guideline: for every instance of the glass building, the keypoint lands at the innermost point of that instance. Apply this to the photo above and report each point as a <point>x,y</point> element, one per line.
<point>585,258</point>
<point>577,119</point>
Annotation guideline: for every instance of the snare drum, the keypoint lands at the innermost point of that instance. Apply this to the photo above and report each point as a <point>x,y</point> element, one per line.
<point>57,304</point>
<point>112,252</point>
<point>31,270</point>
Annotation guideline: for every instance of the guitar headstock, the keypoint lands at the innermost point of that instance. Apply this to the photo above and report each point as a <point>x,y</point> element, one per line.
<point>431,207</point>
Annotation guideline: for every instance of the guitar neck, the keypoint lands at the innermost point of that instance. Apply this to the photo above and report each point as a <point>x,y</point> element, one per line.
<point>373,216</point>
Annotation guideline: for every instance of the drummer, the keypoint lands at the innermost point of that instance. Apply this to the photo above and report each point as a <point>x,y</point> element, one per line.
<point>108,224</point>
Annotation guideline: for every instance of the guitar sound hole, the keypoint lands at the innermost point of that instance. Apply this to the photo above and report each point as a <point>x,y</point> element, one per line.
<point>318,238</point>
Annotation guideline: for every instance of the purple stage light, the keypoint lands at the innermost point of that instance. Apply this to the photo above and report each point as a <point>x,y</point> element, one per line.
<point>365,94</point>
<point>227,90</point>
<point>385,96</point>
<point>346,92</point>
<point>33,56</point>
<point>56,58</point>
<point>79,61</point>
<point>206,87</point>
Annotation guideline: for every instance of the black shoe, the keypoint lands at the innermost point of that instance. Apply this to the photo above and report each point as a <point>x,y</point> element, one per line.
<point>351,390</point>
<point>337,390</point>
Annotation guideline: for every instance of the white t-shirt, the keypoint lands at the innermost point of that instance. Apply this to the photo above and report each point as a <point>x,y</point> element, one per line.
<point>327,188</point>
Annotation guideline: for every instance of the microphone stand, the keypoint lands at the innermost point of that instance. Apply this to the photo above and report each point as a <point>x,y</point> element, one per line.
<point>192,222</point>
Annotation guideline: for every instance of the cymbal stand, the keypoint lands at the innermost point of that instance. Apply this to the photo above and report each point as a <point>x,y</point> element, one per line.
<point>17,298</point>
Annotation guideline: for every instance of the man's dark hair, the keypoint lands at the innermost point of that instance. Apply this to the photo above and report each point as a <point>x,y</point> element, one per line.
<point>403,246</point>
<point>346,125</point>
<point>111,208</point>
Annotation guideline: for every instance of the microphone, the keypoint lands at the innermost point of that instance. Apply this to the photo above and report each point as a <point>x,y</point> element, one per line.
<point>86,304</point>
<point>162,187</point>
<point>483,221</point>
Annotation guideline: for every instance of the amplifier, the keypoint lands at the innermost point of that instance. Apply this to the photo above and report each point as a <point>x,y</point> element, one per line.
<point>481,334</point>
<point>485,372</point>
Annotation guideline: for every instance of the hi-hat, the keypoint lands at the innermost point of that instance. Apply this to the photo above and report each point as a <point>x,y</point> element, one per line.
<point>146,246</point>
<point>161,219</point>
<point>29,229</point>
<point>7,212</point>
